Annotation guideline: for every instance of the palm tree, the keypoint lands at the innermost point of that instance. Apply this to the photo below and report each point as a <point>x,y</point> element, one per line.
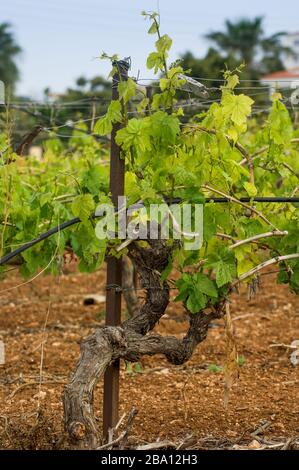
<point>245,40</point>
<point>9,50</point>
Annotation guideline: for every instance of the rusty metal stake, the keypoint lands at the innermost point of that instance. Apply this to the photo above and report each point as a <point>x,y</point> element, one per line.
<point>114,266</point>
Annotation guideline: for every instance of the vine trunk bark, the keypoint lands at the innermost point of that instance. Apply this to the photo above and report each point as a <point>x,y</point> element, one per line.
<point>129,341</point>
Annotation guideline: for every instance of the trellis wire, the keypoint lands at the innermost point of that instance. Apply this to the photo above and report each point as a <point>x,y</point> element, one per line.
<point>5,259</point>
<point>155,79</point>
<point>119,288</point>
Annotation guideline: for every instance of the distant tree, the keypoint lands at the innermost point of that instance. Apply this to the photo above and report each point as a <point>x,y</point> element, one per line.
<point>246,41</point>
<point>273,53</point>
<point>9,50</point>
<point>242,41</point>
<point>81,82</point>
<point>89,98</point>
<point>210,66</point>
<point>100,85</point>
<point>87,92</point>
<point>86,100</point>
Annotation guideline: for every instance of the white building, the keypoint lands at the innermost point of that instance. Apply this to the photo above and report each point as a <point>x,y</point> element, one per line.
<point>284,79</point>
<point>288,78</point>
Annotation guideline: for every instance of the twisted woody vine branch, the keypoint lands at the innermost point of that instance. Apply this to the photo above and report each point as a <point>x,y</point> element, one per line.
<point>130,341</point>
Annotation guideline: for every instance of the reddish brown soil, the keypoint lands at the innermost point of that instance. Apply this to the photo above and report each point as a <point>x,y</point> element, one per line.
<point>47,318</point>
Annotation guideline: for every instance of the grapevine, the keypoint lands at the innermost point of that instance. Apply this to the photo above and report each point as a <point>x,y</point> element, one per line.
<point>226,151</point>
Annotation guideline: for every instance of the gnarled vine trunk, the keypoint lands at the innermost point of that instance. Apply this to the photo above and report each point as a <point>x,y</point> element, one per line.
<point>129,341</point>
<point>129,287</point>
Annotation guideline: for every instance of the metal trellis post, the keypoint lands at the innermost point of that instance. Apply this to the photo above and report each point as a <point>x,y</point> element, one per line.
<point>114,265</point>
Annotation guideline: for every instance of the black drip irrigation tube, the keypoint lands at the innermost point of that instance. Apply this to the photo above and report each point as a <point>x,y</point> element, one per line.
<point>5,259</point>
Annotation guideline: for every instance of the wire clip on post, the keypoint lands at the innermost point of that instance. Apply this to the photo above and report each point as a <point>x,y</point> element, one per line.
<point>192,86</point>
<point>114,287</point>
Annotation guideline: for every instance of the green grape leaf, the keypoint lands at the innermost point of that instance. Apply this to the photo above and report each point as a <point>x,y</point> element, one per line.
<point>154,61</point>
<point>238,107</point>
<point>250,189</point>
<point>114,111</point>
<point>83,206</point>
<point>196,301</point>
<point>224,264</point>
<point>196,290</point>
<point>163,44</point>
<point>153,28</point>
<point>103,126</point>
<point>205,285</point>
<point>127,89</point>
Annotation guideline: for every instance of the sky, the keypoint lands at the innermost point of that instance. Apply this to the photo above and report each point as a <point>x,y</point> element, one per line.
<point>62,39</point>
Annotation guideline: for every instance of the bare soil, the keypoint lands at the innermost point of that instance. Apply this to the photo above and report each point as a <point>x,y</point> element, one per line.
<point>43,322</point>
